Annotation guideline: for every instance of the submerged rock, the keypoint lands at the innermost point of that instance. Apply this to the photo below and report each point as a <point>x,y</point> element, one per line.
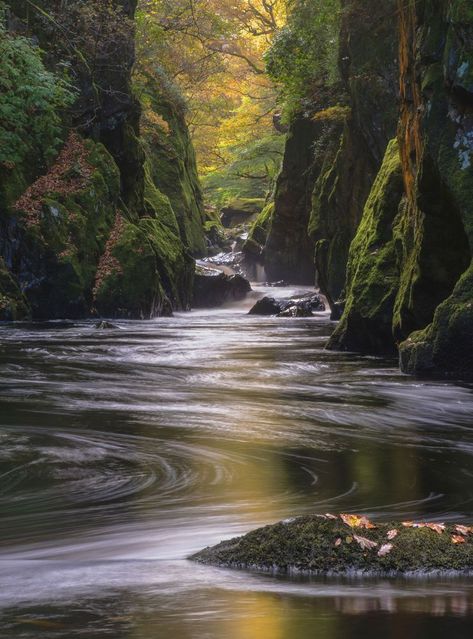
<point>104,325</point>
<point>302,306</point>
<point>348,544</point>
<point>213,287</point>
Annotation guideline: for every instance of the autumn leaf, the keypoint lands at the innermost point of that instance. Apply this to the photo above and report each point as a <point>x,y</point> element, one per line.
<point>439,528</point>
<point>458,539</point>
<point>392,534</point>
<point>357,521</point>
<point>366,544</point>
<point>385,550</point>
<point>463,530</point>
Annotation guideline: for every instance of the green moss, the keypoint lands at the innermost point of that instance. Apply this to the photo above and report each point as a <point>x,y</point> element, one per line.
<point>445,346</point>
<point>171,165</point>
<point>146,273</point>
<point>373,276</point>
<point>13,304</point>
<point>261,226</point>
<point>310,545</point>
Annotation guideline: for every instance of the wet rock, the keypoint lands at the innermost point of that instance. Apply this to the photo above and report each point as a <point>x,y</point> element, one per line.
<point>240,212</point>
<point>213,287</point>
<point>326,545</point>
<point>266,306</point>
<point>104,325</point>
<point>302,306</point>
<point>296,311</point>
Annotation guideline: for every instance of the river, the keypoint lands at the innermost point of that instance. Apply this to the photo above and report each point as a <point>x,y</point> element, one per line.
<point>124,451</point>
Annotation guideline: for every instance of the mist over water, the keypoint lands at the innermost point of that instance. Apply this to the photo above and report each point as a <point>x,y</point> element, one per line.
<point>124,451</point>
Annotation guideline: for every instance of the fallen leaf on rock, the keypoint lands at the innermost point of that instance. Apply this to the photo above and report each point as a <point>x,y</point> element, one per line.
<point>439,528</point>
<point>357,521</point>
<point>392,533</point>
<point>385,550</point>
<point>458,539</point>
<point>463,530</point>
<point>366,544</point>
<point>338,542</point>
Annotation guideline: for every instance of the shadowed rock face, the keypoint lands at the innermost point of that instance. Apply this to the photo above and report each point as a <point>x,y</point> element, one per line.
<point>410,262</point>
<point>327,546</point>
<point>212,288</point>
<point>333,154</point>
<point>109,225</point>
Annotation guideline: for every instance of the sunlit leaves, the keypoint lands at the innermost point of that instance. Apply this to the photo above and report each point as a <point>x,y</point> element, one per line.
<point>357,521</point>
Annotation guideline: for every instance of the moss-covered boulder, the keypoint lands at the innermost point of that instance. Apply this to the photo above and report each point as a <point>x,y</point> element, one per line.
<point>445,347</point>
<point>144,272</point>
<point>373,272</point>
<point>348,545</point>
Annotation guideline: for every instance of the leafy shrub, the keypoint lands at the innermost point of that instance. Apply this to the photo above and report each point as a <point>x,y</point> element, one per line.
<point>31,99</point>
<point>305,51</point>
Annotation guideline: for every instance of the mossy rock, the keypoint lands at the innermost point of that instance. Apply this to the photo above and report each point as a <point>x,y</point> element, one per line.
<point>445,347</point>
<point>321,545</point>
<point>13,304</point>
<point>373,274</point>
<point>171,164</point>
<point>259,230</point>
<point>145,271</point>
<point>63,221</point>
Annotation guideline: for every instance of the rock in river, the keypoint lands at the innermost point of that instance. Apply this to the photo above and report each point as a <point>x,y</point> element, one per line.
<point>348,545</point>
<point>213,287</point>
<point>301,306</point>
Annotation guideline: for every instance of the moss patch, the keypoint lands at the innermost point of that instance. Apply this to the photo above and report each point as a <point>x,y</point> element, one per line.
<point>373,275</point>
<point>328,546</point>
<point>13,304</point>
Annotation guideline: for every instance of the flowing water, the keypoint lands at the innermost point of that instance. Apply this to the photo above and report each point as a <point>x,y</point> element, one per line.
<point>124,451</point>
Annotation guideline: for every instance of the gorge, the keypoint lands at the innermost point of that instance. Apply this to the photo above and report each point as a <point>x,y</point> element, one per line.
<point>236,287</point>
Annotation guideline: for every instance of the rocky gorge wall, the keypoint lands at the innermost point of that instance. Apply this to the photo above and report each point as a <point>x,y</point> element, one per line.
<point>333,154</point>
<point>386,231</point>
<point>420,297</point>
<point>109,224</point>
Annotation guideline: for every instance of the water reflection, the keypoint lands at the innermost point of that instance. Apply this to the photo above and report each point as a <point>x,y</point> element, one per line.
<point>121,452</point>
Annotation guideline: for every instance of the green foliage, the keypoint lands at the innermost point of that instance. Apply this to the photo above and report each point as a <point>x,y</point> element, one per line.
<point>30,104</point>
<point>305,51</point>
<point>250,175</point>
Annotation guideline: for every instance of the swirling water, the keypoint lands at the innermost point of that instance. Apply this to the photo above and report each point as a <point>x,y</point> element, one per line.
<point>124,451</point>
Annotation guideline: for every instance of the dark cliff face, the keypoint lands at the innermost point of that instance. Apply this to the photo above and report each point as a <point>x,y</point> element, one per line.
<point>437,157</point>
<point>423,242</point>
<point>333,155</point>
<point>93,230</point>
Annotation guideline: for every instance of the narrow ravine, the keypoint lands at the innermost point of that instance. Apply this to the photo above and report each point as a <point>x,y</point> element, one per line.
<point>126,450</point>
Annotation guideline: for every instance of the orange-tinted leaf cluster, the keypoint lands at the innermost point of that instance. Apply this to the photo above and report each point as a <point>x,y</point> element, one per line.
<point>108,263</point>
<point>438,528</point>
<point>357,521</point>
<point>69,174</point>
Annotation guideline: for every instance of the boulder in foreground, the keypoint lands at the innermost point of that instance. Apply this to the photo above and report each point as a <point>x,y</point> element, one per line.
<point>348,545</point>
